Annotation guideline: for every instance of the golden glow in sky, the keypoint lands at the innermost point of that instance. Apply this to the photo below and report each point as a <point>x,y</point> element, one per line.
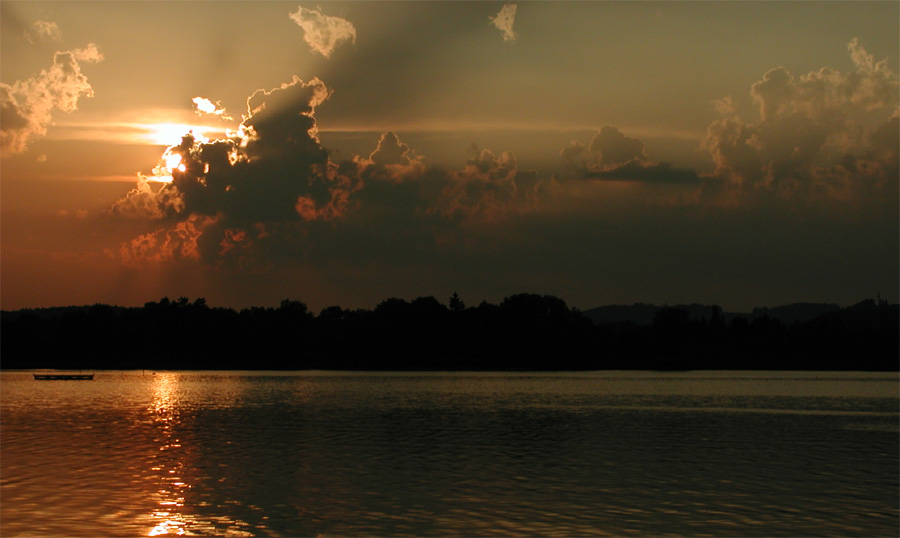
<point>173,162</point>
<point>364,150</point>
<point>169,134</point>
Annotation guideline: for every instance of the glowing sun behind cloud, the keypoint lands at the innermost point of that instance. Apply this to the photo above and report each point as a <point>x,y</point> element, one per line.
<point>169,163</point>
<point>169,134</point>
<point>424,165</point>
<point>173,162</point>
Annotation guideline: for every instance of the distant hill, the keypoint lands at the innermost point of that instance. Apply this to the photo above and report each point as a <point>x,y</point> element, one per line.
<point>643,314</point>
<point>797,312</point>
<point>638,313</point>
<point>57,312</point>
<point>867,315</point>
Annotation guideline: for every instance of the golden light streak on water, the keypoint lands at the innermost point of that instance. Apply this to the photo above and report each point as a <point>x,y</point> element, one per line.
<point>440,454</point>
<point>172,467</point>
<point>170,519</point>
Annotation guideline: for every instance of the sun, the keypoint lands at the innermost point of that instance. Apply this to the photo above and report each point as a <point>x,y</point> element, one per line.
<point>169,163</point>
<point>170,134</point>
<point>173,162</point>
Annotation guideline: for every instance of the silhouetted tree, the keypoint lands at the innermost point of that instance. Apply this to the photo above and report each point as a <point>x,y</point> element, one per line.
<point>526,331</point>
<point>456,304</point>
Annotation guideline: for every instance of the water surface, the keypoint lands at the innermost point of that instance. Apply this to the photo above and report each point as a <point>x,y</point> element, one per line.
<point>449,454</point>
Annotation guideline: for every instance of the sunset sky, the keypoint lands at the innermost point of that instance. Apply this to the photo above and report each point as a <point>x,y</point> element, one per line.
<point>341,153</point>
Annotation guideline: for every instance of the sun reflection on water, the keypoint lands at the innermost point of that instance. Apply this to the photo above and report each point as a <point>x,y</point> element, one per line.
<point>169,464</point>
<point>174,466</point>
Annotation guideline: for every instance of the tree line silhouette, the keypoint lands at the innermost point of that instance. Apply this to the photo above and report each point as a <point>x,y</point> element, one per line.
<point>524,332</point>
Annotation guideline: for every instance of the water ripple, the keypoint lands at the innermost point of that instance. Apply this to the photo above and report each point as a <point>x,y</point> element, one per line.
<point>416,455</point>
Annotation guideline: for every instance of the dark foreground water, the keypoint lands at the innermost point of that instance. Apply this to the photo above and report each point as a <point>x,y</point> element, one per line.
<point>306,454</point>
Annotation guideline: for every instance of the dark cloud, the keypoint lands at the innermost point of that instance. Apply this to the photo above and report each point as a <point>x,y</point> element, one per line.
<point>642,171</point>
<point>615,148</point>
<point>614,156</point>
<point>256,175</point>
<point>271,195</point>
<point>390,151</point>
<point>489,186</point>
<point>574,156</point>
<point>281,122</point>
<point>871,175</point>
<point>272,189</point>
<point>823,135</point>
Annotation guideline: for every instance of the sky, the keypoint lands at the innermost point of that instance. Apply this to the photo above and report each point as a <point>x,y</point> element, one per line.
<point>341,153</point>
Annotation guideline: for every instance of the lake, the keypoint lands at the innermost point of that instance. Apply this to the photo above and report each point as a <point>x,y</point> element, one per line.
<point>449,454</point>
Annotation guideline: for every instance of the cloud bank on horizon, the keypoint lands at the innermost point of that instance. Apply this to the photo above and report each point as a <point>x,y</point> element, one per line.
<point>271,194</point>
<point>614,156</point>
<point>273,183</point>
<point>273,188</point>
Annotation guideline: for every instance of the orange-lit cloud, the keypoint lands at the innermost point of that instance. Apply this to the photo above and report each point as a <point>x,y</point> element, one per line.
<point>205,106</point>
<point>390,151</point>
<point>271,180</point>
<point>504,21</point>
<point>257,174</point>
<point>489,187</point>
<point>323,33</point>
<point>143,202</point>
<point>370,192</point>
<point>43,30</point>
<point>167,244</point>
<point>822,133</point>
<point>26,106</point>
<point>269,194</point>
